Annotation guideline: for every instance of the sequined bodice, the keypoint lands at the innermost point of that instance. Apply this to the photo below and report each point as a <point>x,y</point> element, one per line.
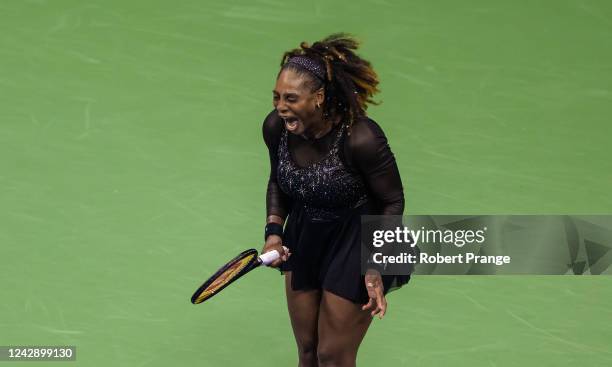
<point>326,187</point>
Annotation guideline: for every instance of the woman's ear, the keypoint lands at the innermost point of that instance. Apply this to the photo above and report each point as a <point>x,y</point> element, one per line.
<point>320,97</point>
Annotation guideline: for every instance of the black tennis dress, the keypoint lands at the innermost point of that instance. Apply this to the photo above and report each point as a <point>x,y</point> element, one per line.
<point>322,187</point>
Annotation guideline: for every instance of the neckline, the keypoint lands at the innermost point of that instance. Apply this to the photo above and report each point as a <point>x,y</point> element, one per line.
<point>334,127</point>
<point>332,149</point>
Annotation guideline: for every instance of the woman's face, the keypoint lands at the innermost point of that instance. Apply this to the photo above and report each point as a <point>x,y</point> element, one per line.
<point>297,104</point>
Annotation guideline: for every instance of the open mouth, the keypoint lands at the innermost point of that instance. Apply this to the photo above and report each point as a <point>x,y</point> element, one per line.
<point>291,123</point>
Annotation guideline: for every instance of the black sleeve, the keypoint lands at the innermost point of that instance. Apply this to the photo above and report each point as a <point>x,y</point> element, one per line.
<point>370,155</point>
<point>277,202</point>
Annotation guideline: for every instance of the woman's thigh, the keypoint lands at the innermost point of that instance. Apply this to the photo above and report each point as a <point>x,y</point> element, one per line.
<point>342,326</point>
<point>304,313</point>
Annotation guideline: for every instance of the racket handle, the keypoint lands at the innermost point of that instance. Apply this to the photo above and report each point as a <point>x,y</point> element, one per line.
<point>269,257</point>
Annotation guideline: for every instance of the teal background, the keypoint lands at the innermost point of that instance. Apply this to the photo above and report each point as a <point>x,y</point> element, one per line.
<point>132,166</point>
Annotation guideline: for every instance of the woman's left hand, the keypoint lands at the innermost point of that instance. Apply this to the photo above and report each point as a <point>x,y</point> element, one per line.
<point>377,302</point>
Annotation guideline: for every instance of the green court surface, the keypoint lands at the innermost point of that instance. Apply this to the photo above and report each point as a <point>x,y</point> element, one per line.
<point>132,166</point>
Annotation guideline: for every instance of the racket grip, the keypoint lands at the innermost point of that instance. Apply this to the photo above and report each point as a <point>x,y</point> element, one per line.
<point>269,257</point>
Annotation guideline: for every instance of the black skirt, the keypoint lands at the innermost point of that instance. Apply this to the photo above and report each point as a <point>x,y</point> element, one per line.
<point>326,254</point>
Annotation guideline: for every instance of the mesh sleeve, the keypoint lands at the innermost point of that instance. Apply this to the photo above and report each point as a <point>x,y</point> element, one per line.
<point>370,154</point>
<point>277,202</point>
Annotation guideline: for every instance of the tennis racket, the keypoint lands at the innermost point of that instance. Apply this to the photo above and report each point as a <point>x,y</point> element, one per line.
<point>231,271</point>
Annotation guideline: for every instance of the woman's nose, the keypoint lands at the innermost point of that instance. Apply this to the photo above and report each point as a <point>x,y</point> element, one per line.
<point>281,107</point>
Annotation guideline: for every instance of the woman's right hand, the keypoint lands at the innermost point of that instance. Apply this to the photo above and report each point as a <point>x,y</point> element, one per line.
<point>275,242</point>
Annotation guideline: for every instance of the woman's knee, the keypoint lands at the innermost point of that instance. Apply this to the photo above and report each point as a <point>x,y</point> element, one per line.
<point>334,356</point>
<point>307,352</point>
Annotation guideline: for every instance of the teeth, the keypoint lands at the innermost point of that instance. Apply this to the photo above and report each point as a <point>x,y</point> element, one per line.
<point>291,124</point>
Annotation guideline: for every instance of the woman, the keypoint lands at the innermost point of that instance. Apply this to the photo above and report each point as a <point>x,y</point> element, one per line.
<point>330,164</point>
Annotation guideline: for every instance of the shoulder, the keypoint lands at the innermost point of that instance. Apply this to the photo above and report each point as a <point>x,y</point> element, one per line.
<point>366,137</point>
<point>272,128</point>
<point>368,148</point>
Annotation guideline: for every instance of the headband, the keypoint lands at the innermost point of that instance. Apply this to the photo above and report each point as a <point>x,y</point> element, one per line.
<point>308,64</point>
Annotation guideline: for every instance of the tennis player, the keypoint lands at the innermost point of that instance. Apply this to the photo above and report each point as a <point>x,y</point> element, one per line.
<point>330,164</point>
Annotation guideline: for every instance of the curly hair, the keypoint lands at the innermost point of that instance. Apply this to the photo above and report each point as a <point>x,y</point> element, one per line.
<point>350,81</point>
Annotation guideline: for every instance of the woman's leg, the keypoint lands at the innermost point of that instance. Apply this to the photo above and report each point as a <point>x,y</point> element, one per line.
<point>342,326</point>
<point>304,313</point>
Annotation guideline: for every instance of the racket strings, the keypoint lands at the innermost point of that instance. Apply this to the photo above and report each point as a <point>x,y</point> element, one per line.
<point>225,277</point>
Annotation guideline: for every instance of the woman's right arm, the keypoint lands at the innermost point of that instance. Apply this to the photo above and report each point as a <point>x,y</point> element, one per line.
<point>277,202</point>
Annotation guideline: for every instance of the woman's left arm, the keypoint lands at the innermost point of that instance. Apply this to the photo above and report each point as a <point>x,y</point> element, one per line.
<point>371,155</point>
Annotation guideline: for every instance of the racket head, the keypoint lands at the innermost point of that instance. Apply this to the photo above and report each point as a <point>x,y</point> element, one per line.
<point>228,273</point>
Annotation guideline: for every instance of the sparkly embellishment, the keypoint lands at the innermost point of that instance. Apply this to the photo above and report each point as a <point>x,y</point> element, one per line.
<point>325,188</point>
<point>308,64</point>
